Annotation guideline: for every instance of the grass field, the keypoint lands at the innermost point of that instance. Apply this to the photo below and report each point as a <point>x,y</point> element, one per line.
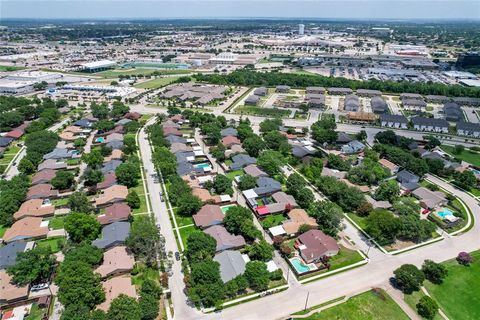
<point>185,232</point>
<point>358,220</point>
<point>457,296</point>
<point>10,68</point>
<point>345,257</point>
<point>266,112</point>
<point>412,300</point>
<point>371,305</point>
<point>181,220</point>
<point>143,200</point>
<point>156,83</point>
<point>145,273</point>
<point>53,243</point>
<point>273,220</point>
<point>56,223</point>
<point>467,155</point>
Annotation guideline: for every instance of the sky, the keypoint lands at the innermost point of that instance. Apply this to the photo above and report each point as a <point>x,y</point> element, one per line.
<point>161,9</point>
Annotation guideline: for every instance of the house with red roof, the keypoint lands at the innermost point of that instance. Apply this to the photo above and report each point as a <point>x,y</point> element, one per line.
<point>314,244</point>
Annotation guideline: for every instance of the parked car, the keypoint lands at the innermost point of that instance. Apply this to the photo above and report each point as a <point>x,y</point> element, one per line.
<point>39,287</point>
<point>177,256</point>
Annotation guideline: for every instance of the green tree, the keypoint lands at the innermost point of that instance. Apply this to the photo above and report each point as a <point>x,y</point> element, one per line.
<point>143,240</point>
<point>165,161</point>
<point>129,145</point>
<point>78,202</point>
<point>434,272</point>
<point>458,149</point>
<point>63,180</point>
<point>206,284</point>
<point>128,174</point>
<point>409,278</point>
<point>32,266</point>
<point>218,152</point>
<point>25,166</point>
<point>247,182</point>
<point>295,183</point>
<point>91,177</point>
<point>82,227</point>
<point>261,250</point>
<point>328,216</point>
<point>118,109</point>
<point>93,159</point>
<point>124,307</point>
<point>271,161</point>
<point>200,246</point>
<point>75,312</point>
<point>383,226</point>
<point>253,144</point>
<point>323,131</point>
<point>466,180</point>
<point>188,205</point>
<point>133,200</point>
<point>336,162</point>
<point>269,125</point>
<point>276,141</point>
<point>222,184</point>
<point>388,190</point>
<point>427,307</point>
<point>305,198</point>
<point>257,275</point>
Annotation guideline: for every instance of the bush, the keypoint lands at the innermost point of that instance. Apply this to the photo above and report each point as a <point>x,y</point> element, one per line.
<point>464,258</point>
<point>409,278</point>
<point>435,272</point>
<point>427,307</point>
<point>133,200</point>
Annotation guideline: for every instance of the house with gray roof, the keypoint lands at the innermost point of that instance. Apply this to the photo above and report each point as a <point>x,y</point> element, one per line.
<point>351,103</point>
<point>115,144</point>
<point>430,124</point>
<point>452,112</point>
<point>393,121</point>
<point>379,106</point>
<point>303,151</point>
<point>176,139</point>
<point>61,153</point>
<point>241,160</point>
<point>225,240</point>
<point>267,186</point>
<point>339,91</point>
<point>282,89</point>
<point>252,100</point>
<point>354,146</point>
<point>229,132</point>
<point>262,91</point>
<point>315,90</point>
<point>110,166</point>
<point>468,129</point>
<point>414,104</point>
<point>368,93</point>
<point>5,141</point>
<point>254,171</point>
<point>8,253</point>
<point>122,122</point>
<point>113,235</point>
<point>83,123</point>
<point>231,263</point>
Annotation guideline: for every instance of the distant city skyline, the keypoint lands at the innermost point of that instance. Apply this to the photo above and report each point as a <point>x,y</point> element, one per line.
<point>160,9</point>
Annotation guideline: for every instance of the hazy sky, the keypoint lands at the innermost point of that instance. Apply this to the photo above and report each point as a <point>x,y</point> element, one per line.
<point>359,9</point>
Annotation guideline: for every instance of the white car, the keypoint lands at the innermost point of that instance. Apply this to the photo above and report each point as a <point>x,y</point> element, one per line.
<point>39,287</point>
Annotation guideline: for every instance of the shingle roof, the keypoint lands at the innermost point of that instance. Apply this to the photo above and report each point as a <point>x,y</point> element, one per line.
<point>208,215</point>
<point>229,132</point>
<point>231,264</point>
<point>267,185</point>
<point>8,253</point>
<point>225,240</point>
<point>429,122</point>
<point>395,118</point>
<point>241,160</point>
<point>113,234</point>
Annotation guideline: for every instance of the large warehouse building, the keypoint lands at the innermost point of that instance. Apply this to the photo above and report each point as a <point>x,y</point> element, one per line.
<point>98,65</point>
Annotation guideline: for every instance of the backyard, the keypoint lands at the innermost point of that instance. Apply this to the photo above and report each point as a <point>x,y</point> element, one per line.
<point>467,155</point>
<point>375,304</point>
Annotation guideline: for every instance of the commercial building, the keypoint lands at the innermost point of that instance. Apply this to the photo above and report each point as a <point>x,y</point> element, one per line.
<point>12,87</point>
<point>98,65</point>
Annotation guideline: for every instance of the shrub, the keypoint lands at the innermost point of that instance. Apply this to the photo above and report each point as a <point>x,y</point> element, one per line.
<point>427,307</point>
<point>464,258</point>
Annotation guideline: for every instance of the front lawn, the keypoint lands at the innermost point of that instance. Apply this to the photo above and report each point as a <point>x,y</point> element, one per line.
<point>371,305</point>
<point>466,155</point>
<point>143,199</point>
<point>55,244</point>
<point>36,313</point>
<point>60,202</point>
<point>361,221</point>
<point>181,220</point>
<point>457,296</point>
<point>345,257</point>
<point>56,223</point>
<point>185,232</point>
<point>141,273</point>
<point>233,174</point>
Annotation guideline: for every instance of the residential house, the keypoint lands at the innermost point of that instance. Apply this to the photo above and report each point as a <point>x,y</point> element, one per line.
<point>368,93</point>
<point>41,191</point>
<point>116,154</point>
<point>408,180</point>
<point>179,147</point>
<point>116,212</point>
<point>314,244</point>
<point>303,151</point>
<point>26,228</point>
<point>412,96</point>
<point>229,131</point>
<point>15,134</point>
<point>436,99</point>
<point>452,112</point>
<point>241,160</point>
<point>315,90</point>
<point>115,193</point>
<point>343,137</point>
<point>228,141</point>
<point>378,204</point>
<point>267,186</point>
<point>110,166</point>
<point>282,89</point>
<point>297,218</point>
<point>414,104</point>
<point>351,103</point>
<point>52,164</point>
<point>468,129</point>
<point>44,176</point>
<point>116,261</point>
<point>430,124</point>
<point>283,202</point>
<point>169,131</point>
<point>208,215</point>
<point>352,147</point>
<point>114,287</point>
<point>8,252</point>
<point>225,240</point>
<point>115,144</point>
<point>327,172</point>
<point>61,154</point>
<point>261,91</point>
<point>110,179</point>
<point>232,264</point>
<point>132,115</point>
<point>339,91</point>
<point>113,235</point>
<point>122,122</point>
<point>252,100</point>
<point>430,199</point>
<point>83,123</point>
<point>393,121</point>
<point>35,208</point>
<point>315,100</point>
<point>378,105</point>
<point>390,166</point>
<point>9,292</point>
<point>171,124</point>
<point>254,171</point>
<point>176,139</point>
<point>5,141</point>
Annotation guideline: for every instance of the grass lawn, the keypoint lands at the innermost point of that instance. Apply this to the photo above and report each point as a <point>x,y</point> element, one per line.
<point>156,83</point>
<point>2,230</point>
<point>344,258</point>
<point>143,199</point>
<point>185,232</point>
<point>53,243</point>
<point>371,305</point>
<point>457,296</point>
<point>412,300</point>
<point>36,313</point>
<point>272,220</point>
<point>181,220</point>
<point>72,162</point>
<point>467,155</point>
<point>266,112</point>
<point>56,223</point>
<point>144,274</point>
<point>475,192</point>
<point>358,220</point>
<point>60,202</point>
<point>138,71</point>
<point>10,68</point>
<point>233,174</point>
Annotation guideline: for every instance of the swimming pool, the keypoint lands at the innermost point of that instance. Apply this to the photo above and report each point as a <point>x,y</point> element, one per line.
<point>226,208</point>
<point>202,165</point>
<point>444,213</point>
<point>475,171</point>
<point>100,139</point>
<point>299,266</point>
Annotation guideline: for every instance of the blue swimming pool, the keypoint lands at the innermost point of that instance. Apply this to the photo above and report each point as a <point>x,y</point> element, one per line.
<point>444,213</point>
<point>100,139</point>
<point>202,165</point>
<point>299,265</point>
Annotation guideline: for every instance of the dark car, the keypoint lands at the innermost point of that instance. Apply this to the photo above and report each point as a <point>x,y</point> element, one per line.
<point>177,256</point>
